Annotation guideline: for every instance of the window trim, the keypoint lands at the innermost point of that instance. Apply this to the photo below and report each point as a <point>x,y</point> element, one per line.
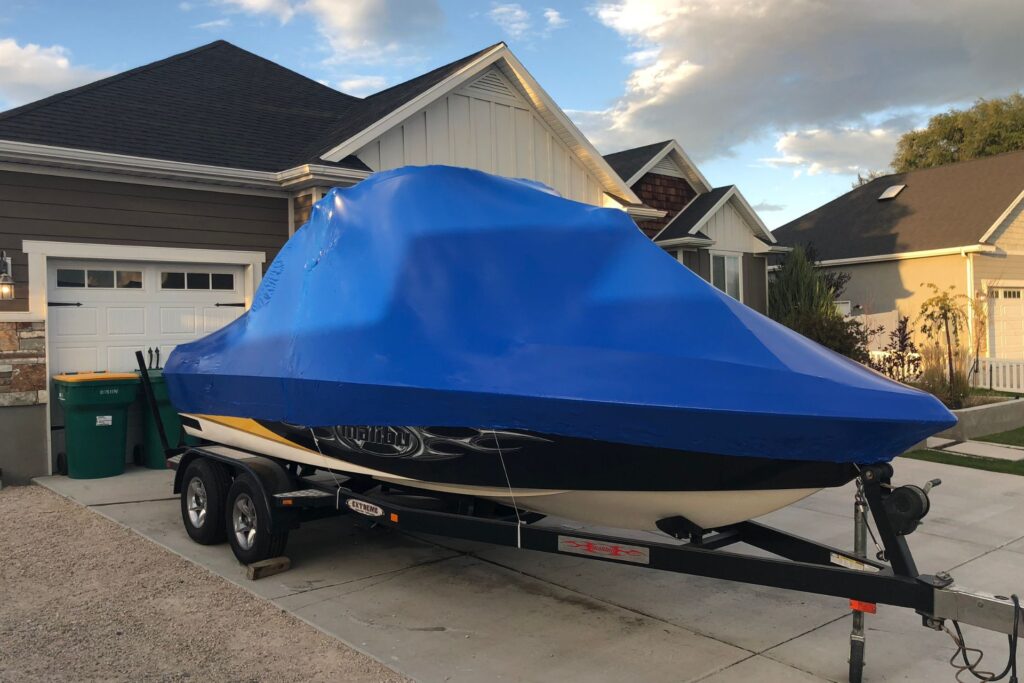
<point>738,255</point>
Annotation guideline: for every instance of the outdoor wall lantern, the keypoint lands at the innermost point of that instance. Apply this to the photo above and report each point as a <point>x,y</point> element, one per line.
<point>6,281</point>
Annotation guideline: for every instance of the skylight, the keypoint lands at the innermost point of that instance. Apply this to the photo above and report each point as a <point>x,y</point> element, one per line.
<point>891,192</point>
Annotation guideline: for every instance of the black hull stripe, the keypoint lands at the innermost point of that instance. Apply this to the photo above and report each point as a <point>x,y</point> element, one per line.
<point>546,461</point>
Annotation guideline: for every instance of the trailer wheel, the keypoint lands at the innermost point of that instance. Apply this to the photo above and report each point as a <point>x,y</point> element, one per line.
<point>204,488</point>
<point>248,522</point>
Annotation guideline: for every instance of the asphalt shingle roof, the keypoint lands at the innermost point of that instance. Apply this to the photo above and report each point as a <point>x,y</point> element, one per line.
<point>681,225</point>
<point>942,207</point>
<point>218,105</point>
<point>627,162</point>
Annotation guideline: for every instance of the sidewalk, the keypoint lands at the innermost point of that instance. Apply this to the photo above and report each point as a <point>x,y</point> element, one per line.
<point>979,449</point>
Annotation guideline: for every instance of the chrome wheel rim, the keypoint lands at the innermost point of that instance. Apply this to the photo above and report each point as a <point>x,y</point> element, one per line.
<point>196,502</point>
<point>243,521</point>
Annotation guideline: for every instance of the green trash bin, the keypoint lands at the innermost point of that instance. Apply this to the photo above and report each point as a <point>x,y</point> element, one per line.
<point>95,420</point>
<point>152,455</point>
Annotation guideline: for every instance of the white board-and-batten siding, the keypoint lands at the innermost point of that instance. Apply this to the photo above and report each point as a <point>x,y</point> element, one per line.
<point>731,232</point>
<point>486,125</point>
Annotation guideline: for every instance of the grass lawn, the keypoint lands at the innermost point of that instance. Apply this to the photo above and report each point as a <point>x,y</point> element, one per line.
<point>1014,437</point>
<point>987,464</point>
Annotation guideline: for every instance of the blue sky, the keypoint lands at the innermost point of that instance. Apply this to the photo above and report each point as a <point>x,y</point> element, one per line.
<point>786,99</point>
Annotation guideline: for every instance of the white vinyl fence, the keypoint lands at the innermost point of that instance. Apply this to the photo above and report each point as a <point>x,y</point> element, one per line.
<point>999,375</point>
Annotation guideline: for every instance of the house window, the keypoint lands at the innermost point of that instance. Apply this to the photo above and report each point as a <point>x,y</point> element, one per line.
<point>725,273</point>
<point>1011,293</point>
<point>844,308</point>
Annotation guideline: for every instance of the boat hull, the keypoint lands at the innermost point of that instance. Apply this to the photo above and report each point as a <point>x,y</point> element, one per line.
<point>602,483</point>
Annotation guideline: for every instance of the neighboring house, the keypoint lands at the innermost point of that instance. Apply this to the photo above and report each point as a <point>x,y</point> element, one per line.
<point>140,210</point>
<point>713,231</point>
<point>959,226</point>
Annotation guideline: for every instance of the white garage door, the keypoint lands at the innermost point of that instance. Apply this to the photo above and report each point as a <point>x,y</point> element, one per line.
<point>102,312</point>
<point>1006,322</point>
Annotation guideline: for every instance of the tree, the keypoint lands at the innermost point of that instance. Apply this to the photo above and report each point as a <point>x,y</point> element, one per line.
<point>989,127</point>
<point>943,315</point>
<point>901,360</point>
<point>867,177</point>
<point>802,298</point>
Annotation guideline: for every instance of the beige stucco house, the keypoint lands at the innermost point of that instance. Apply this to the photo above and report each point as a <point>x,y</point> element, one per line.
<point>960,225</point>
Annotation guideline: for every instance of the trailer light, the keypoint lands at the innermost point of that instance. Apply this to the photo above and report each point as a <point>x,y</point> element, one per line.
<point>394,517</point>
<point>861,606</point>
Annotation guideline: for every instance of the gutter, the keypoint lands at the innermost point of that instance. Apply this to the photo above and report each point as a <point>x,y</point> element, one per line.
<point>33,155</point>
<point>949,251</point>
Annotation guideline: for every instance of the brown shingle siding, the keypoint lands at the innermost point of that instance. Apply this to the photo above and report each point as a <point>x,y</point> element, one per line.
<point>662,192</point>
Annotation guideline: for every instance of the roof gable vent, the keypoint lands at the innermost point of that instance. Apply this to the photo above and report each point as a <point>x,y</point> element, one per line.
<point>891,192</point>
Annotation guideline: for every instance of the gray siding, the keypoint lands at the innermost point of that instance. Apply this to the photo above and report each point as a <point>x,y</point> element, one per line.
<point>755,286</point>
<point>56,208</point>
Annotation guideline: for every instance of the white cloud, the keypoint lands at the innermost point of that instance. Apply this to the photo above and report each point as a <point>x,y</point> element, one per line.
<point>836,150</point>
<point>362,85</point>
<point>768,207</point>
<point>29,72</point>
<point>511,18</point>
<point>554,18</point>
<point>718,74</point>
<point>214,24</point>
<point>282,9</point>
<point>366,31</point>
<point>185,6</point>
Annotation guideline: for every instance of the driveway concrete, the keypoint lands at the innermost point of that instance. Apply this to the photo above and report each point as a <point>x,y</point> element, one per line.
<point>441,610</point>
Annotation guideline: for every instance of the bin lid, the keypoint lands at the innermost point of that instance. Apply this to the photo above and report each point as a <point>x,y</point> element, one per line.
<point>96,377</point>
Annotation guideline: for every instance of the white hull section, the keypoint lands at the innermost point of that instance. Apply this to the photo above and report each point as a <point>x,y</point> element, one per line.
<point>620,509</point>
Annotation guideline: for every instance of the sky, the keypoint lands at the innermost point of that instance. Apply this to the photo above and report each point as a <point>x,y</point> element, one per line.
<point>788,99</point>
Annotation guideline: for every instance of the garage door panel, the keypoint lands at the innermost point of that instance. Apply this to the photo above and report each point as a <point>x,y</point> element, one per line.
<point>74,322</point>
<point>126,321</point>
<point>74,359</point>
<point>178,320</point>
<point>216,318</point>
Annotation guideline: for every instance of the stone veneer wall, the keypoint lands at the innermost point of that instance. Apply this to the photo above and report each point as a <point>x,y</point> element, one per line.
<point>22,363</point>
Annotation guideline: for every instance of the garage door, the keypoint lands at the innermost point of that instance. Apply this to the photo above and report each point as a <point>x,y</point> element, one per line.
<point>1006,322</point>
<point>102,312</point>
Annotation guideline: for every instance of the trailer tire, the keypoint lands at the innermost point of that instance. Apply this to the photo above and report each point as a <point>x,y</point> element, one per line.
<point>248,522</point>
<point>203,491</point>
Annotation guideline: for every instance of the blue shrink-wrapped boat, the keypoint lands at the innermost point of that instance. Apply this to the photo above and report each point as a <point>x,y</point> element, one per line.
<point>446,329</point>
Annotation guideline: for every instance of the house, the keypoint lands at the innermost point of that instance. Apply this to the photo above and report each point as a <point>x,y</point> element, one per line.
<point>139,211</point>
<point>959,226</point>
<point>711,230</point>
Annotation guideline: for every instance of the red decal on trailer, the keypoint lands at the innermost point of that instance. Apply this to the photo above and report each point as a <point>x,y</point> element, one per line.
<point>614,551</point>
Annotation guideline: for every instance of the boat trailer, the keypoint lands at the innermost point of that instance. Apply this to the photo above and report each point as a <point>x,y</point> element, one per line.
<point>282,495</point>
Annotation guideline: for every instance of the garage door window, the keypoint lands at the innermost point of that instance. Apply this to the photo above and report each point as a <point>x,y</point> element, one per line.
<point>200,281</point>
<point>99,278</point>
<point>129,279</point>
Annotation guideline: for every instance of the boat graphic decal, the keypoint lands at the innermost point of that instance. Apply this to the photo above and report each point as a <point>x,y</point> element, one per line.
<point>420,443</point>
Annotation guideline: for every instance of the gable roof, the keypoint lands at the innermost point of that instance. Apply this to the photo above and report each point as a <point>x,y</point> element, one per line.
<point>627,162</point>
<point>695,215</point>
<point>457,73</point>
<point>940,208</point>
<point>218,105</point>
<point>633,164</point>
<point>221,106</point>
<point>380,104</point>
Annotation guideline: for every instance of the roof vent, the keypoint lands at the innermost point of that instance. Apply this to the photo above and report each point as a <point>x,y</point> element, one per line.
<point>891,192</point>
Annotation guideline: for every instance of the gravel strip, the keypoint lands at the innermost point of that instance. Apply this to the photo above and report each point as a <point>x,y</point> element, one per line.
<point>82,598</point>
